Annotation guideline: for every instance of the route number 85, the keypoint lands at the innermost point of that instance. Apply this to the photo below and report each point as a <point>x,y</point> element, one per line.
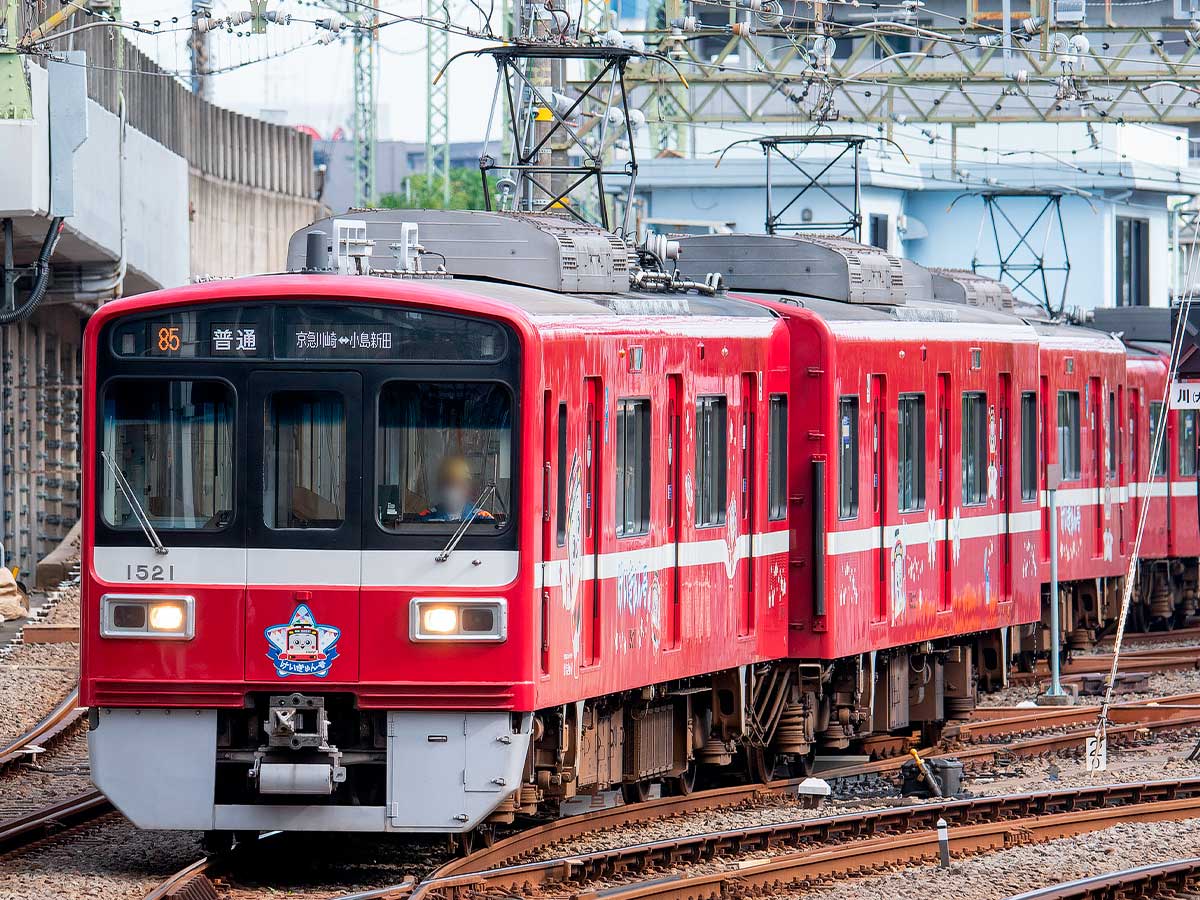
<point>168,338</point>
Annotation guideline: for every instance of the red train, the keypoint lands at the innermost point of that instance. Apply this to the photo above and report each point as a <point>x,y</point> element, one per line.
<point>421,550</point>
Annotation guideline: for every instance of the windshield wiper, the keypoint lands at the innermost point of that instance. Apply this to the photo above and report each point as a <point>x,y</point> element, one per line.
<point>488,490</point>
<point>138,512</point>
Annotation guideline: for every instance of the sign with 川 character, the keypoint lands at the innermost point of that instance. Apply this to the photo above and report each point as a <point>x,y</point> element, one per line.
<point>1185,395</point>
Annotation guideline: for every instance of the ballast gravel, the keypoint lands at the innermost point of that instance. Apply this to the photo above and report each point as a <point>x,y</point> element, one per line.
<point>1159,684</point>
<point>108,859</point>
<point>1021,869</point>
<point>34,678</point>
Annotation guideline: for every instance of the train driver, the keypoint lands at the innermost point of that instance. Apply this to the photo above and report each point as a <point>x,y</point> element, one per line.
<point>453,493</point>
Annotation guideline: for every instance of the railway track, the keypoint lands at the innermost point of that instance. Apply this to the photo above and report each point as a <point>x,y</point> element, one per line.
<point>27,828</point>
<point>851,843</point>
<point>1172,713</point>
<point>1167,879</point>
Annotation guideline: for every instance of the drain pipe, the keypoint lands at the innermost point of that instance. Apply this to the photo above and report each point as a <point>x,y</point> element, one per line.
<point>41,276</point>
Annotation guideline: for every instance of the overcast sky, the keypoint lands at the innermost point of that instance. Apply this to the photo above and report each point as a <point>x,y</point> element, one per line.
<point>314,85</point>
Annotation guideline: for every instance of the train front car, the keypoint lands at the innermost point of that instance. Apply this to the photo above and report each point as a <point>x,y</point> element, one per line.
<point>300,556</point>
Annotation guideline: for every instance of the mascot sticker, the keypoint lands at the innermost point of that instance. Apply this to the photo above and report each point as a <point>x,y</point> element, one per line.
<point>301,646</point>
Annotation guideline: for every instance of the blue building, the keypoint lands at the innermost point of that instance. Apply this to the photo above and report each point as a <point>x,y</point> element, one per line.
<point>1083,229</point>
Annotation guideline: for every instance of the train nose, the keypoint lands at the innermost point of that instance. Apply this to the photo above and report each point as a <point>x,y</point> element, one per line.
<point>302,634</point>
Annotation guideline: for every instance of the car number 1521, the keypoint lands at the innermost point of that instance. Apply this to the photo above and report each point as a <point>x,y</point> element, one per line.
<point>149,573</point>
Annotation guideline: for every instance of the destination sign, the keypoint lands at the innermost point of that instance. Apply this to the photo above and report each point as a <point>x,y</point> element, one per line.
<point>342,341</point>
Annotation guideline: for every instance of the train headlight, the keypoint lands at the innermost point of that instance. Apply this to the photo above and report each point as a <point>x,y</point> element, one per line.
<point>439,620</point>
<point>167,617</point>
<point>146,616</point>
<point>458,619</point>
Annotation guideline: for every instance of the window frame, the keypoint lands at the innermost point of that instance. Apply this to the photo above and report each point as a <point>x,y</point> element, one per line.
<point>709,403</point>
<point>910,498</point>
<point>1110,436</point>
<point>348,507</point>
<point>641,407</point>
<point>1069,434</point>
<point>1180,457</point>
<point>561,500</point>
<point>974,478</point>
<point>848,475</point>
<point>1158,418</point>
<point>475,537</point>
<point>1029,446</point>
<point>777,457</point>
<point>1132,260</point>
<point>133,533</point>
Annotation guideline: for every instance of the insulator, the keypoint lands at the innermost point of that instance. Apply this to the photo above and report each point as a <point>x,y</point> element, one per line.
<point>1033,24</point>
<point>331,24</point>
<point>277,18</point>
<point>989,40</point>
<point>1021,76</point>
<point>686,24</point>
<point>1079,44</point>
<point>742,29</point>
<point>561,102</point>
<point>771,14</point>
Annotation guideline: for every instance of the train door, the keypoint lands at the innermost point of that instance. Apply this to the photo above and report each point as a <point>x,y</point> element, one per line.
<point>593,452</point>
<point>1134,484</point>
<point>553,474</point>
<point>945,592</point>
<point>878,402</point>
<point>1122,472</point>
<point>674,508</point>
<point>1046,430</point>
<point>305,504</point>
<point>1095,401</point>
<point>1003,493</point>
<point>747,503</point>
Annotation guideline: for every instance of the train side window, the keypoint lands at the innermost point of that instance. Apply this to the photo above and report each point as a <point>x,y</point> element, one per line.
<point>974,448</point>
<point>910,482</point>
<point>777,462</point>
<point>633,467</point>
<point>1158,420</point>
<point>1187,442</point>
<point>711,454</point>
<point>1029,484</point>
<point>560,524</point>
<point>305,460</point>
<point>1111,438</point>
<point>1068,434</point>
<point>848,458</point>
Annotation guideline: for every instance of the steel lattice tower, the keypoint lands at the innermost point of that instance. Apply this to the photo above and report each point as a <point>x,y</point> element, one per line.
<point>437,106</point>
<point>366,67</point>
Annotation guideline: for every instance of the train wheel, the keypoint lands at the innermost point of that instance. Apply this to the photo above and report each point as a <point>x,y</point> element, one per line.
<point>802,766</point>
<point>635,791</point>
<point>478,838</point>
<point>761,763</point>
<point>685,783</point>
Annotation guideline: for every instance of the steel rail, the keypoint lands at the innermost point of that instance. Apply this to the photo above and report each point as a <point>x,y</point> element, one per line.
<point>1154,880</point>
<point>1005,814</point>
<point>20,832</point>
<point>58,720</point>
<point>865,857</point>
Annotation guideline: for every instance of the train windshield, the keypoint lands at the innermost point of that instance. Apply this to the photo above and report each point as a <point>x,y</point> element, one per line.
<point>305,466</point>
<point>443,455</point>
<point>173,441</point>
